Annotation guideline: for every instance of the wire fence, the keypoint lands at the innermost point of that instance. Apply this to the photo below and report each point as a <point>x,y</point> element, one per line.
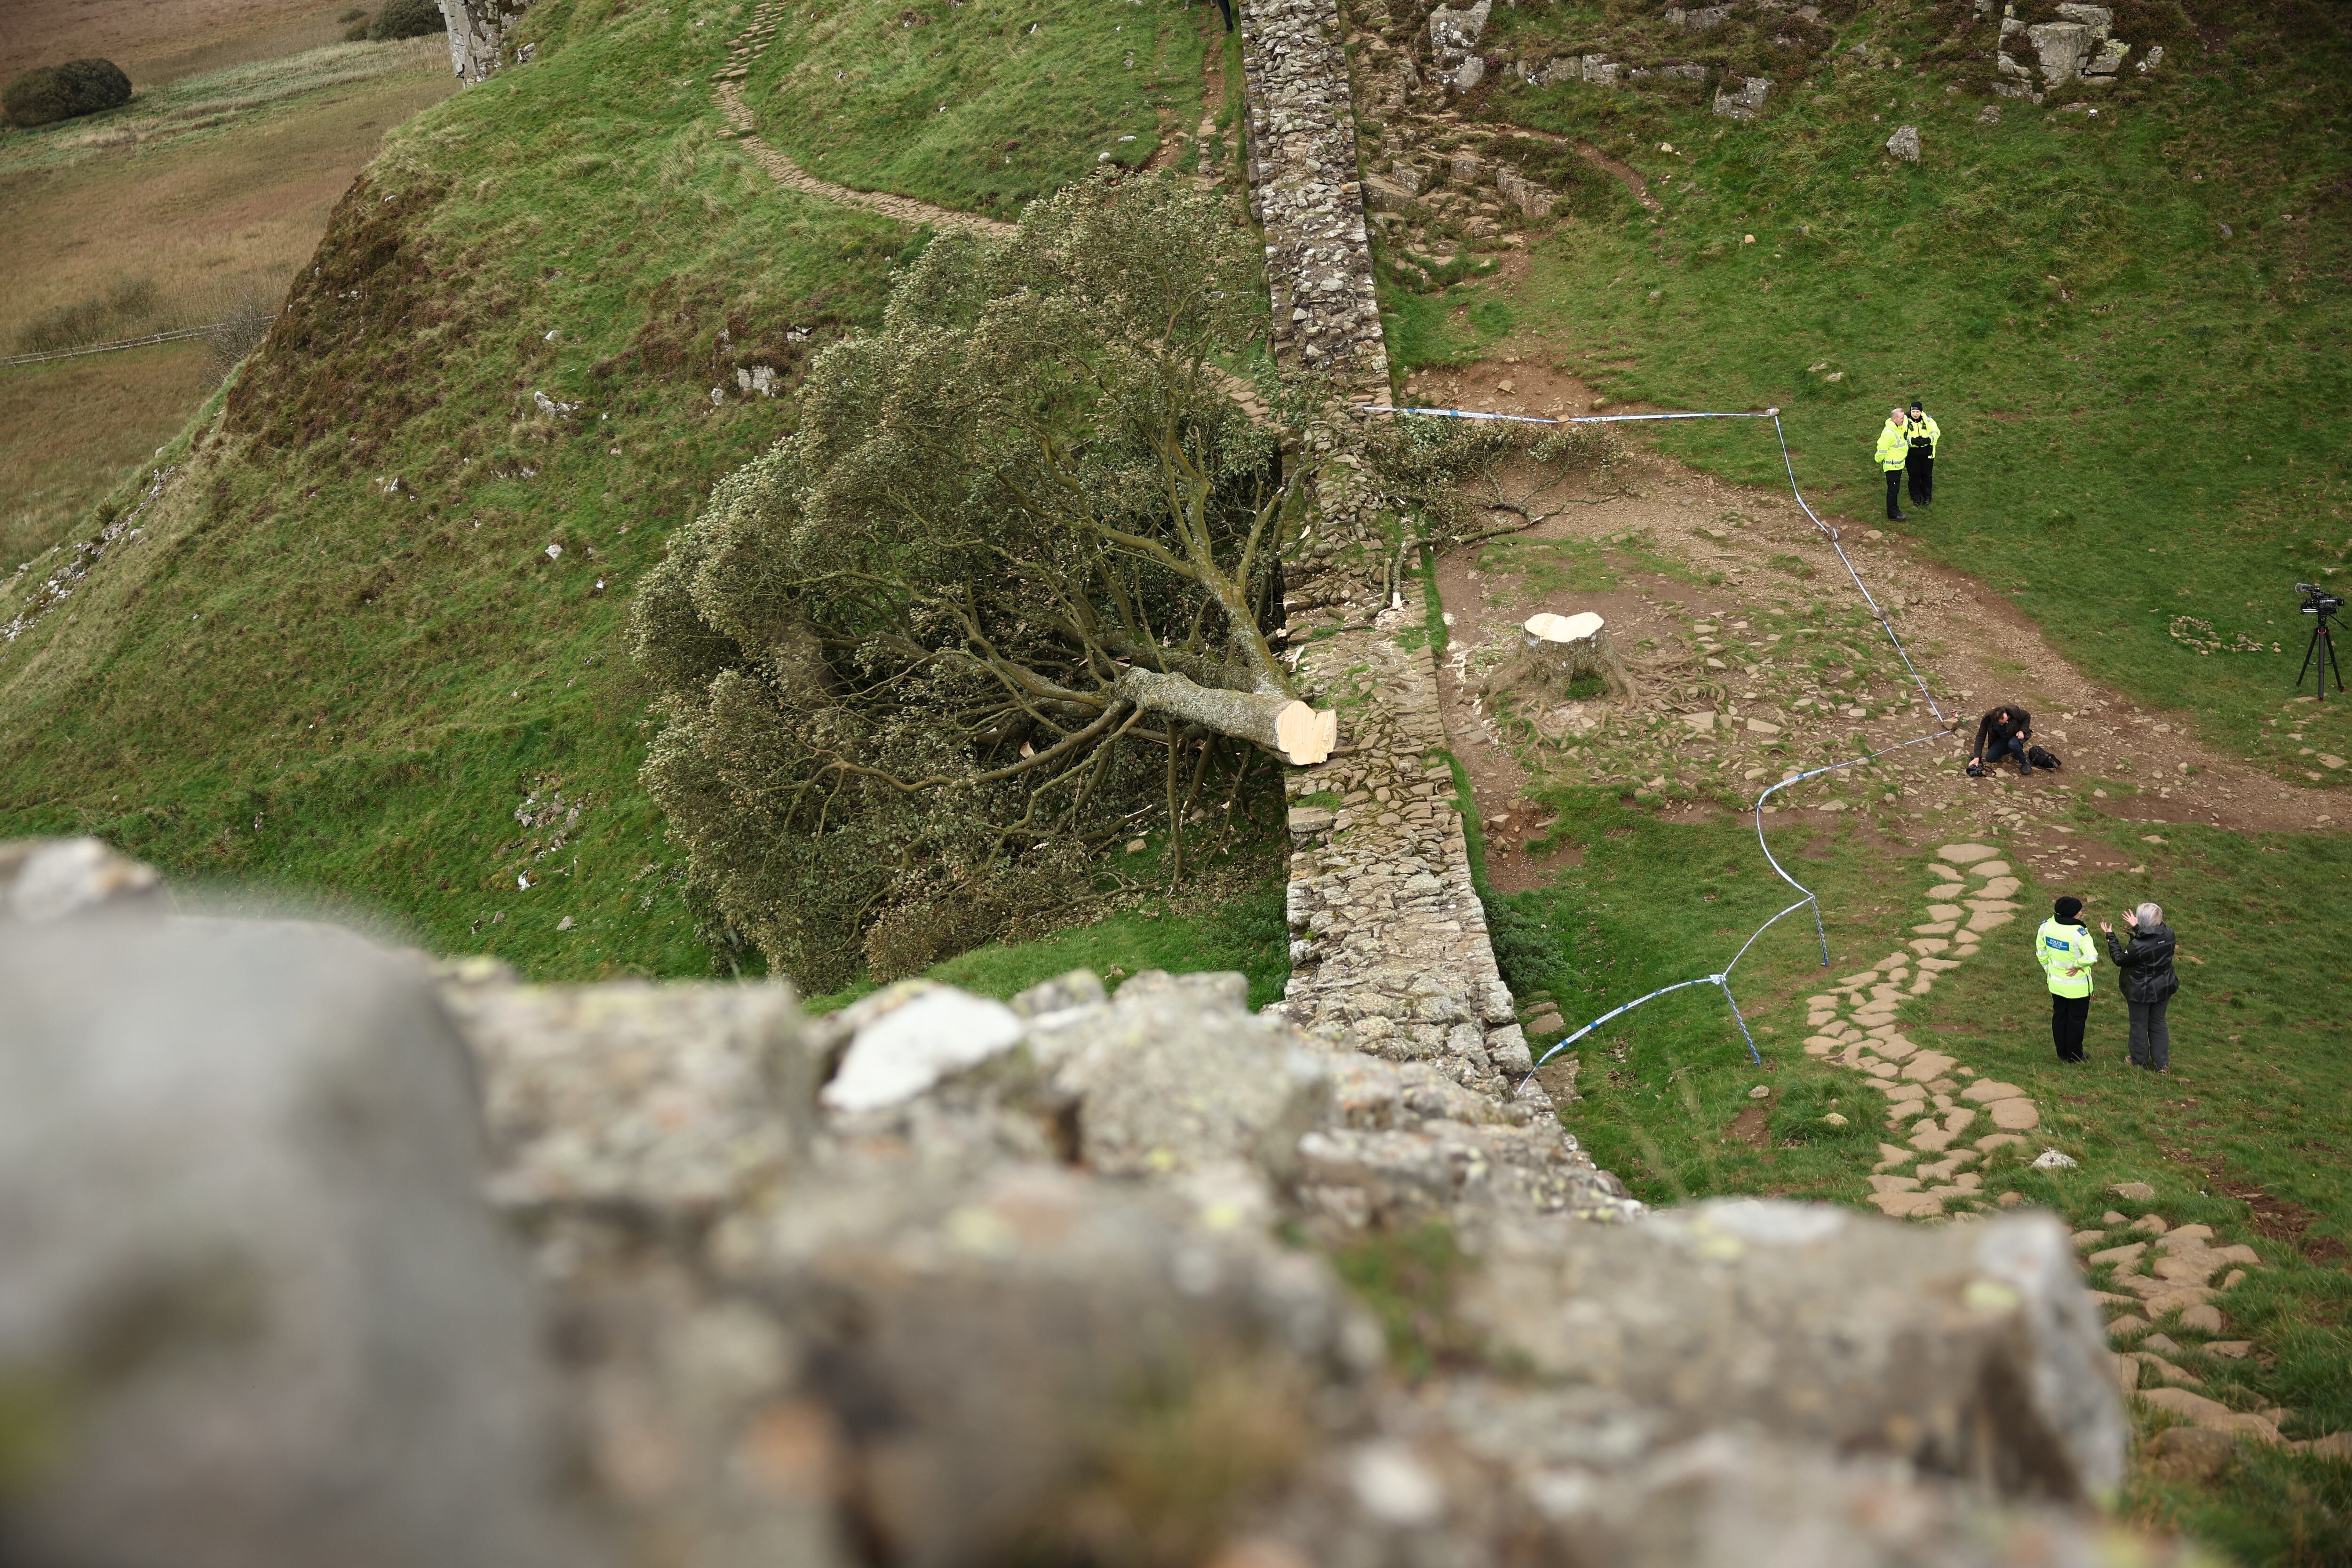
<point>177,334</point>
<point>1721,979</point>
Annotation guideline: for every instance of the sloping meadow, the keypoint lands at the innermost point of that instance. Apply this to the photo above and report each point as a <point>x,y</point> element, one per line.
<point>364,639</point>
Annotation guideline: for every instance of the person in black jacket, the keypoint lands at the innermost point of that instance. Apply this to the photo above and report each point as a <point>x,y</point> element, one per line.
<point>2002,732</point>
<point>2148,983</point>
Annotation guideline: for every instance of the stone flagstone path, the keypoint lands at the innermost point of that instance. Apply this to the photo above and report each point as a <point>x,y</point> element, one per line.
<point>1935,1104</point>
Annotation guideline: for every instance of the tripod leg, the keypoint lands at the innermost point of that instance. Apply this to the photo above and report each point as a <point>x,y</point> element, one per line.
<point>2332,665</point>
<point>2310,650</point>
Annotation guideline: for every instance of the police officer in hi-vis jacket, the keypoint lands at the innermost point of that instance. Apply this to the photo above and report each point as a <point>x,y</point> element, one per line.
<point>1920,462</point>
<point>1895,455</point>
<point>2065,947</point>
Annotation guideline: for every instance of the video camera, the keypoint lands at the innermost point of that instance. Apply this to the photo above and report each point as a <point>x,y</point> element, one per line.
<point>2321,606</point>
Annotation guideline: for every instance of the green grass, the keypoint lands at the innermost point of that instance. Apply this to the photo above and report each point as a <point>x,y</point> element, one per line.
<point>306,679</point>
<point>2248,1133</point>
<point>980,104</point>
<point>1245,933</point>
<point>2142,418</point>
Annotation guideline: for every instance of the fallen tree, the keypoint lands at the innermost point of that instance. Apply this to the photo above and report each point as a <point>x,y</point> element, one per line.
<point>1003,599</point>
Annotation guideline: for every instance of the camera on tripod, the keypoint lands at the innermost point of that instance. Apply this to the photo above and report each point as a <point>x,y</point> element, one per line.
<point>2318,603</point>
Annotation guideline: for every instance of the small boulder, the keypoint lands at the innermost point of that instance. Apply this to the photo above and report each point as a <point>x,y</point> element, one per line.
<point>1905,143</point>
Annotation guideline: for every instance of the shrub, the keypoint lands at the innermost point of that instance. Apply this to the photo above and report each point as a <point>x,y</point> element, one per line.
<point>50,93</point>
<point>350,15</point>
<point>407,20</point>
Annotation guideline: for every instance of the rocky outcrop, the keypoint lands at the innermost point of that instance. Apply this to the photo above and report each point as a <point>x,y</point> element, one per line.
<point>2077,47</point>
<point>478,36</point>
<point>1745,101</point>
<point>1031,1296</point>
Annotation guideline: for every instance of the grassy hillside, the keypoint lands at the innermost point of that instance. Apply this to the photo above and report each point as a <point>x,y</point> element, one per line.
<point>365,641</point>
<point>980,104</point>
<point>2135,328</point>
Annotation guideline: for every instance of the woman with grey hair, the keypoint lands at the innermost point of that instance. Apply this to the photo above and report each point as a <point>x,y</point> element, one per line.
<point>2148,983</point>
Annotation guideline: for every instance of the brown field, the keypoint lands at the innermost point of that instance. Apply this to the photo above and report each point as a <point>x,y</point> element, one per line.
<point>174,212</point>
<point>69,431</point>
<point>163,41</point>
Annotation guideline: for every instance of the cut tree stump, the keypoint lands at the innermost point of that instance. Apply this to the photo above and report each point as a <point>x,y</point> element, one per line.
<point>1302,734</point>
<point>1556,649</point>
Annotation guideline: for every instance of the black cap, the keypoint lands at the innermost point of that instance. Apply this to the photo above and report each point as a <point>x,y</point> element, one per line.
<point>1916,404</point>
<point>2068,908</point>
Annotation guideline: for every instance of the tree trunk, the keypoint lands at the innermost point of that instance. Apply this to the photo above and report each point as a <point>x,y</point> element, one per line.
<point>1283,725</point>
<point>1556,649</point>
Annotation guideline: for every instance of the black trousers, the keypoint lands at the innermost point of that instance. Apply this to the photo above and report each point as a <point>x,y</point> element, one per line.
<point>2067,1017</point>
<point>2151,1036</point>
<point>1996,749</point>
<point>1922,469</point>
<point>1894,495</point>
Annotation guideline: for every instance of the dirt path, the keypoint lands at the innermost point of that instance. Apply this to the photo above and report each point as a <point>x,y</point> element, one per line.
<point>740,121</point>
<point>1760,548</point>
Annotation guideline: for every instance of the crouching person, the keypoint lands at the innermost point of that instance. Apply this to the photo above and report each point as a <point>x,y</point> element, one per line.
<point>2148,983</point>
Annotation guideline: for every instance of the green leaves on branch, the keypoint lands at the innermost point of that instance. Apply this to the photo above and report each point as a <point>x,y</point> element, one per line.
<point>888,654</point>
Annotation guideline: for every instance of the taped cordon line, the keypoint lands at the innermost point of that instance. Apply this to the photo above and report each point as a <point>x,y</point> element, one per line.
<point>1721,980</point>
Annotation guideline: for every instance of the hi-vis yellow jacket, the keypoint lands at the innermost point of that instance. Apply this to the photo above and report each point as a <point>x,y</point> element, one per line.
<point>1894,446</point>
<point>1926,433</point>
<point>2066,952</point>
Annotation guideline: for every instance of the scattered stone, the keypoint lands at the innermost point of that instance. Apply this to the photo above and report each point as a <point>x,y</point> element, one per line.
<point>2134,1193</point>
<point>2049,1159</point>
<point>2236,1350</point>
<point>1988,115</point>
<point>1905,143</point>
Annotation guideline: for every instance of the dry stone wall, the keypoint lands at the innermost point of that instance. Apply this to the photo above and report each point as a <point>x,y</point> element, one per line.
<point>441,1267</point>
<point>1389,947</point>
<point>1305,190</point>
